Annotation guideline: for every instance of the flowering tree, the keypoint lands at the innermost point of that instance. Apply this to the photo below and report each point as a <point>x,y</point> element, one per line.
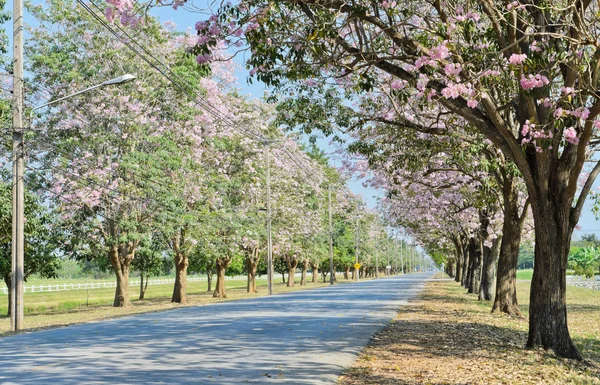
<point>522,73</point>
<point>113,156</point>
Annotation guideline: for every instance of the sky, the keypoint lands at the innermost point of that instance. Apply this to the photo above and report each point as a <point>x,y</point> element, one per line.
<point>185,19</point>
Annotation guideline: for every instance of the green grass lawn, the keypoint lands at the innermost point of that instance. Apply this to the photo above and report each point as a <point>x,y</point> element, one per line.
<point>525,274</point>
<point>59,301</point>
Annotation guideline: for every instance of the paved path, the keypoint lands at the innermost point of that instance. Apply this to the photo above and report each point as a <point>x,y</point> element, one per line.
<point>306,337</point>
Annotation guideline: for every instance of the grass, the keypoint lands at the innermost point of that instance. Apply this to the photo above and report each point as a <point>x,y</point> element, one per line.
<point>448,337</point>
<point>75,306</point>
<point>525,274</point>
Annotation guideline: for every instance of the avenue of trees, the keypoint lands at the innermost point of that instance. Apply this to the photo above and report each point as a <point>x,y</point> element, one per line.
<point>143,177</point>
<point>478,118</point>
<point>480,115</point>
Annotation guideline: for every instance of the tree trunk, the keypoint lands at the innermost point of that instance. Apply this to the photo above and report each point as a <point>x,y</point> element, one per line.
<point>465,266</point>
<point>179,289</point>
<point>209,275</point>
<point>548,306</point>
<point>252,259</point>
<point>221,266</point>
<point>251,268</point>
<point>459,259</point>
<point>120,257</point>
<point>304,271</point>
<point>283,277</point>
<point>346,272</point>
<point>8,282</point>
<point>315,271</point>
<point>143,284</point>
<point>122,289</point>
<point>181,266</point>
<point>292,263</point>
<point>512,228</point>
<point>488,272</point>
<point>475,251</point>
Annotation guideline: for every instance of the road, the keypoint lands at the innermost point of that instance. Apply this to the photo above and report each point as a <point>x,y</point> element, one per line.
<point>306,337</point>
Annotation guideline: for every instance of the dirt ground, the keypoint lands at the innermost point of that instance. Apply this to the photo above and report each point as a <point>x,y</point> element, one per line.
<point>448,337</point>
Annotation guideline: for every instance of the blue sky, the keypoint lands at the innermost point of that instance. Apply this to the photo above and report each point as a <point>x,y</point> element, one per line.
<point>185,19</point>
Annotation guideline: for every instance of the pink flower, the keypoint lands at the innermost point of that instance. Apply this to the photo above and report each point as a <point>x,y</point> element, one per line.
<point>398,84</point>
<point>571,135</point>
<point>472,103</point>
<point>440,52</point>
<point>452,69</point>
<point>110,14</point>
<point>201,59</point>
<point>534,81</point>
<point>517,59</point>
<point>581,113</point>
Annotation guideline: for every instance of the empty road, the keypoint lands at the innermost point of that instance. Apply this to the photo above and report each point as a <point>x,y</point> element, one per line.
<point>306,337</point>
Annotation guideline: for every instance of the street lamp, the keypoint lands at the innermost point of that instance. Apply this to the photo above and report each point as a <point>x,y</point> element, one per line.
<point>18,209</point>
<point>112,82</point>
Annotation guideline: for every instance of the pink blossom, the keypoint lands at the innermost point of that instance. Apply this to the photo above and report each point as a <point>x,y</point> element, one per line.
<point>472,103</point>
<point>534,81</point>
<point>567,90</point>
<point>398,84</point>
<point>452,69</point>
<point>571,135</point>
<point>581,113</point>
<point>201,59</point>
<point>440,52</point>
<point>517,59</point>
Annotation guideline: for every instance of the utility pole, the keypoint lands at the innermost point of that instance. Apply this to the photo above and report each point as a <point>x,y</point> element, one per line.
<point>269,240</point>
<point>356,269</point>
<point>402,257</point>
<point>388,267</point>
<point>396,247</point>
<point>18,238</point>
<point>331,272</point>
<point>376,255</point>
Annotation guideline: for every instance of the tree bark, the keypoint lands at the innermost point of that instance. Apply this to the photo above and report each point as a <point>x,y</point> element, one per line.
<point>180,286</point>
<point>346,273</point>
<point>181,266</point>
<point>143,285</point>
<point>251,269</point>
<point>459,258</point>
<point>221,266</point>
<point>120,257</point>
<point>475,251</point>
<point>488,272</point>
<point>292,263</point>
<point>304,271</point>
<point>548,306</point>
<point>466,263</point>
<point>315,271</point>
<point>209,275</point>
<point>512,229</point>
<point>7,281</point>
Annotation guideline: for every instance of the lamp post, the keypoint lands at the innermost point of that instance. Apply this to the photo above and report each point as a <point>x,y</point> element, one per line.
<point>18,234</point>
<point>115,81</point>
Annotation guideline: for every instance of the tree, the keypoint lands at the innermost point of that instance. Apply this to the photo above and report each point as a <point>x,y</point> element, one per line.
<point>112,157</point>
<point>43,237</point>
<point>521,73</point>
<point>149,261</point>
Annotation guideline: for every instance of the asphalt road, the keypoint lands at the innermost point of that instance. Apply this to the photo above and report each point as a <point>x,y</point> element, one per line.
<point>306,337</point>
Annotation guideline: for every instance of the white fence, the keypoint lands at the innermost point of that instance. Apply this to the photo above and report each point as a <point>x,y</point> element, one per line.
<point>101,285</point>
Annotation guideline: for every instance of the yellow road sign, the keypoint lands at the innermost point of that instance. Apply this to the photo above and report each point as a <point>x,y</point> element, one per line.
<point>357,265</point>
